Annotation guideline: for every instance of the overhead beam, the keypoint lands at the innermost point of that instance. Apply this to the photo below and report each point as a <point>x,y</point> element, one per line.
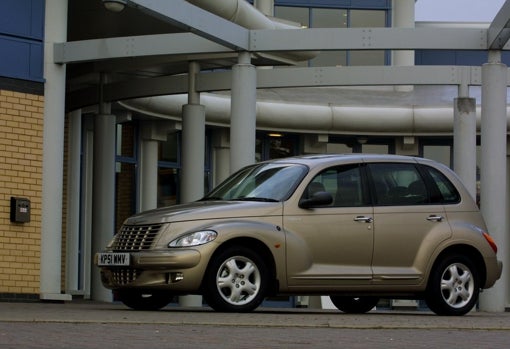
<point>348,76</point>
<point>499,31</point>
<point>192,18</point>
<point>274,40</point>
<point>285,77</point>
<point>134,46</point>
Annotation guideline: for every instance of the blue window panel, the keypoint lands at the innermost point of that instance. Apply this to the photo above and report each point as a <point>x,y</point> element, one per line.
<point>450,57</point>
<point>21,59</point>
<point>22,18</point>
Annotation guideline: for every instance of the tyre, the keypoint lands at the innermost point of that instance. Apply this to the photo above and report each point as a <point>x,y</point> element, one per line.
<point>139,300</point>
<point>236,280</point>
<point>354,305</point>
<point>454,286</point>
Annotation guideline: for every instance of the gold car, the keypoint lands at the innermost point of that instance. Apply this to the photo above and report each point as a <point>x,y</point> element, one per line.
<point>356,227</point>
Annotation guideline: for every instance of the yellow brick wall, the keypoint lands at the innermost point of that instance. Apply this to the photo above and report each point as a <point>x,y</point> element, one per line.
<point>21,137</point>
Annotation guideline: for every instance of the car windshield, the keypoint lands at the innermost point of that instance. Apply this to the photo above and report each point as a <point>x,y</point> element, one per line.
<point>260,182</point>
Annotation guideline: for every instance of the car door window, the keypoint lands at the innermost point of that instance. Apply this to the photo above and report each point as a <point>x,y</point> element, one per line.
<point>398,184</point>
<point>344,183</point>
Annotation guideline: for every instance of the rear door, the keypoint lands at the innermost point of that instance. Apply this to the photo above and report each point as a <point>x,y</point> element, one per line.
<point>409,222</point>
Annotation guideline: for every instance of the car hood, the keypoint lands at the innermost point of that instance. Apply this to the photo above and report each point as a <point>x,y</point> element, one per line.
<point>200,210</point>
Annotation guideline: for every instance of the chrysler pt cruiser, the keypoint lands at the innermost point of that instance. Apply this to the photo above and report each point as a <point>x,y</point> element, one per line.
<point>356,227</point>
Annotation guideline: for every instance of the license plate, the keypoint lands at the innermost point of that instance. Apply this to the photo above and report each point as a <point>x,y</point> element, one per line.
<point>113,258</point>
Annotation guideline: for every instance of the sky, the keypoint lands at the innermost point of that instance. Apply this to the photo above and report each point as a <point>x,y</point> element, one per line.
<point>457,10</point>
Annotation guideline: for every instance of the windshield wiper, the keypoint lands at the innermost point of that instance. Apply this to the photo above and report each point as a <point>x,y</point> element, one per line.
<point>256,199</point>
<point>211,198</point>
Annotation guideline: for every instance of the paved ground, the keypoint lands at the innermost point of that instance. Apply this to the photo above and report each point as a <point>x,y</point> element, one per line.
<point>103,325</point>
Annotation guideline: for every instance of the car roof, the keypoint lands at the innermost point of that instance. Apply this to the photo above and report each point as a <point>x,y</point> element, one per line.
<point>313,159</point>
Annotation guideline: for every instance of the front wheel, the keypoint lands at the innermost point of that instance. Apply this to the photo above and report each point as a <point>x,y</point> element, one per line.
<point>236,280</point>
<point>354,305</point>
<point>454,286</point>
<point>139,300</point>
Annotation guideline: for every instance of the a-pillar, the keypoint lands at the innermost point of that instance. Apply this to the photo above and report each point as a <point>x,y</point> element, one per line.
<point>243,113</point>
<point>103,210</point>
<point>493,187</point>
<point>53,154</point>
<point>193,156</point>
<point>464,139</point>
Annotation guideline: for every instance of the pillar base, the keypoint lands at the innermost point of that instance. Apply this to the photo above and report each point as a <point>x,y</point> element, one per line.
<point>55,297</point>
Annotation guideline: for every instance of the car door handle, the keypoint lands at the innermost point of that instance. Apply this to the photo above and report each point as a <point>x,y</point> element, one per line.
<point>435,218</point>
<point>363,219</point>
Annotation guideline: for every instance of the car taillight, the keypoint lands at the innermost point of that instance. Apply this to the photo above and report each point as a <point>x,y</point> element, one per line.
<point>491,242</point>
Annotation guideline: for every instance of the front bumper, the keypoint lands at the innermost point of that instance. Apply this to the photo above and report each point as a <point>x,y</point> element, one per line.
<point>178,269</point>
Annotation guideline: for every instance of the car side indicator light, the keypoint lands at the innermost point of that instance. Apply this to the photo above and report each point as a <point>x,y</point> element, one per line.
<point>491,242</point>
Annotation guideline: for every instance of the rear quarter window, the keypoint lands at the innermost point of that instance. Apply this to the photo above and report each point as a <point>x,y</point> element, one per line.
<point>446,191</point>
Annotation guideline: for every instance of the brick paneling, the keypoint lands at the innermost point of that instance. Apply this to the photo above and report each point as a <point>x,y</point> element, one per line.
<point>21,137</point>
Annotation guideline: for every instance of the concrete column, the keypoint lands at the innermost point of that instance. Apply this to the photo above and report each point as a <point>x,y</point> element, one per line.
<point>193,152</point>
<point>53,154</point>
<point>103,210</point>
<point>243,113</point>
<point>148,168</point>
<point>403,17</point>
<point>193,156</point>
<point>493,170</point>
<point>265,6</point>
<point>464,141</point>
<point>221,155</point>
<point>73,204</point>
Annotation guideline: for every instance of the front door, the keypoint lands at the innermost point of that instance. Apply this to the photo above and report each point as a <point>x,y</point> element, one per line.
<point>331,245</point>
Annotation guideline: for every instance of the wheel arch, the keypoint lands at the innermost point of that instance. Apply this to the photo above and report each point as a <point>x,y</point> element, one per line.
<point>255,245</point>
<point>465,250</point>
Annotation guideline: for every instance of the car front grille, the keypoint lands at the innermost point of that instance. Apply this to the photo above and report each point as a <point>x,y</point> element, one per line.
<point>136,237</point>
<point>124,276</point>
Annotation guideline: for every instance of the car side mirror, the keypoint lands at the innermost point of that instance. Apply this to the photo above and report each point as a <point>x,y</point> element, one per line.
<point>321,198</point>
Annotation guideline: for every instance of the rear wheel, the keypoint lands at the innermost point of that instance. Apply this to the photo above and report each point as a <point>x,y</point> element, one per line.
<point>354,305</point>
<point>454,286</point>
<point>139,300</point>
<point>236,280</point>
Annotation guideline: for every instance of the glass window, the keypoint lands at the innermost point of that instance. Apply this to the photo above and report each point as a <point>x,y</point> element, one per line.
<point>367,19</point>
<point>169,149</point>
<point>329,18</point>
<point>398,184</point>
<point>275,146</point>
<point>294,14</point>
<point>260,182</point>
<point>449,193</point>
<point>168,183</point>
<point>343,183</point>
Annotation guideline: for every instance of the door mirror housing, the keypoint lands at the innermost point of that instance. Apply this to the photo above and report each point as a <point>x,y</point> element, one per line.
<point>321,198</point>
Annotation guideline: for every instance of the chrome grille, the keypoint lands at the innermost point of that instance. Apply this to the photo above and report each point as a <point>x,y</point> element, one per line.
<point>136,237</point>
<point>123,276</point>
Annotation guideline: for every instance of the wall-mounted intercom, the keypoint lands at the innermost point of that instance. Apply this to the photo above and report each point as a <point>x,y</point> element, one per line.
<point>20,210</point>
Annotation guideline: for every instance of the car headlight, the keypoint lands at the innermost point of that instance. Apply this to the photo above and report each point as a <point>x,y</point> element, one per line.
<point>194,239</point>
